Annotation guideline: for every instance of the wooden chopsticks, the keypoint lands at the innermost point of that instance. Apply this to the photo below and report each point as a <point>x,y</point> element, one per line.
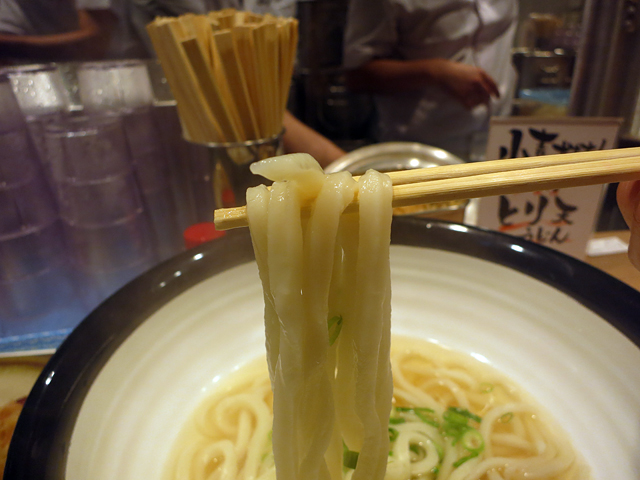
<point>229,71</point>
<point>495,177</point>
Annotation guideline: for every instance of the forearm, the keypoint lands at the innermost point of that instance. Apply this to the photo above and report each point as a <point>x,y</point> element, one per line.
<point>391,76</point>
<point>89,42</point>
<point>87,29</point>
<point>468,84</point>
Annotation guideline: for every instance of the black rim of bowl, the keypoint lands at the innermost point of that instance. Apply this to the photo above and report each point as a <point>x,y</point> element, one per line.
<point>40,443</point>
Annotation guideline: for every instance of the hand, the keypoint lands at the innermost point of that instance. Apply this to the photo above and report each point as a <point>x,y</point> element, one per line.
<point>629,204</point>
<point>471,85</point>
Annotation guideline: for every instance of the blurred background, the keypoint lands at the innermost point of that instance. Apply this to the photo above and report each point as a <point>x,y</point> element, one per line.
<point>98,184</point>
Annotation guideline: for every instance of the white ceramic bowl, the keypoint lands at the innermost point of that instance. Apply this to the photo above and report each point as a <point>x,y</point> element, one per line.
<point>113,398</point>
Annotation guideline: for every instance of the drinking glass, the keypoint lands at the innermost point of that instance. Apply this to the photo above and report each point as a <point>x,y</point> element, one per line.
<point>35,279</point>
<point>113,85</point>
<point>39,89</point>
<point>125,87</point>
<point>86,148</point>
<point>42,97</point>
<point>103,212</point>
<point>11,117</point>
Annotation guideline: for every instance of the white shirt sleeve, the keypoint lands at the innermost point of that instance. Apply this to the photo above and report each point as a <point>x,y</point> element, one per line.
<point>38,17</point>
<point>93,4</point>
<point>370,31</point>
<point>12,19</point>
<point>279,8</point>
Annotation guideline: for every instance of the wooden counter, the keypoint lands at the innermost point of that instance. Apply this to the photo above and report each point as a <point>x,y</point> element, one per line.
<point>617,265</point>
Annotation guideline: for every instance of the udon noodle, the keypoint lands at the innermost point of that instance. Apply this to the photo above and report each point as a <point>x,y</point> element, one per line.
<point>328,408</point>
<point>229,435</point>
<point>327,292</point>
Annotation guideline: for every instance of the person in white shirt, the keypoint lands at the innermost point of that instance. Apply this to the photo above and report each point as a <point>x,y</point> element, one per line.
<point>438,69</point>
<point>30,17</point>
<point>628,194</point>
<point>130,39</point>
<point>279,8</point>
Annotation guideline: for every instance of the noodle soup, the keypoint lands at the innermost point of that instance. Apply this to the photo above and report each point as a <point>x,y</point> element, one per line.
<point>453,417</point>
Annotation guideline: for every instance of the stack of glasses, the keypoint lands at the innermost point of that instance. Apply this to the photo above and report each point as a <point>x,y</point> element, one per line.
<point>106,224</point>
<point>124,88</point>
<point>37,292</point>
<point>42,97</point>
<point>89,196</point>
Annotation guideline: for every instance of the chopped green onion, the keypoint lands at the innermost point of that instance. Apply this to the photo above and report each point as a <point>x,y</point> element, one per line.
<point>454,432</point>
<point>439,449</point>
<point>462,460</point>
<point>423,413</point>
<point>472,441</point>
<point>486,387</point>
<point>397,420</point>
<point>334,325</point>
<point>419,451</point>
<point>453,412</point>
<point>415,409</point>
<point>393,434</point>
<point>506,418</point>
<point>350,459</point>
<point>456,426</point>
<point>454,420</point>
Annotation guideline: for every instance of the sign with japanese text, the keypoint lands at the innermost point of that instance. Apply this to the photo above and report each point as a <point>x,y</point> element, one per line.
<point>564,218</point>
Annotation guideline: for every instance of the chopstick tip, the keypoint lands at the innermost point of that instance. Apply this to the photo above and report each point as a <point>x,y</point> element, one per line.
<point>230,218</point>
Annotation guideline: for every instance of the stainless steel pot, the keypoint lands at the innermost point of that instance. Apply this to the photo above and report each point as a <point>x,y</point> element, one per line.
<point>392,156</point>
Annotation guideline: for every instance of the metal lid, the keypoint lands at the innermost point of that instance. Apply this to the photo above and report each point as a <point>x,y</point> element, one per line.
<point>390,156</point>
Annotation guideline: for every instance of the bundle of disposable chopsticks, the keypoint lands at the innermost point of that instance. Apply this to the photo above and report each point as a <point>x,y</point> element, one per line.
<point>229,71</point>
<point>495,177</point>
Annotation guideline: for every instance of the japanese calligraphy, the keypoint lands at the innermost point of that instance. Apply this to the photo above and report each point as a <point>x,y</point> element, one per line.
<point>529,217</point>
<point>562,219</point>
<point>544,145</point>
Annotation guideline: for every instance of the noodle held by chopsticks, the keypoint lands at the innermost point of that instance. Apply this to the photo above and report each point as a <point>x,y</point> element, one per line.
<point>327,316</point>
<point>229,71</point>
<point>326,282</point>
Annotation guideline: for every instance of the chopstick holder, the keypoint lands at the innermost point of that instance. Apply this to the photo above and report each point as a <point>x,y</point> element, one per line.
<point>235,79</point>
<point>195,116</point>
<point>230,72</point>
<point>210,91</point>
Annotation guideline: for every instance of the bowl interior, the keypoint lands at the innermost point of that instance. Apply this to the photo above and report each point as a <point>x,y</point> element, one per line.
<point>550,340</point>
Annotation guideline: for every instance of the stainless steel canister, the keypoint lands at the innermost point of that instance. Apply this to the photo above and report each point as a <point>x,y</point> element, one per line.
<point>392,156</point>
<point>219,173</point>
